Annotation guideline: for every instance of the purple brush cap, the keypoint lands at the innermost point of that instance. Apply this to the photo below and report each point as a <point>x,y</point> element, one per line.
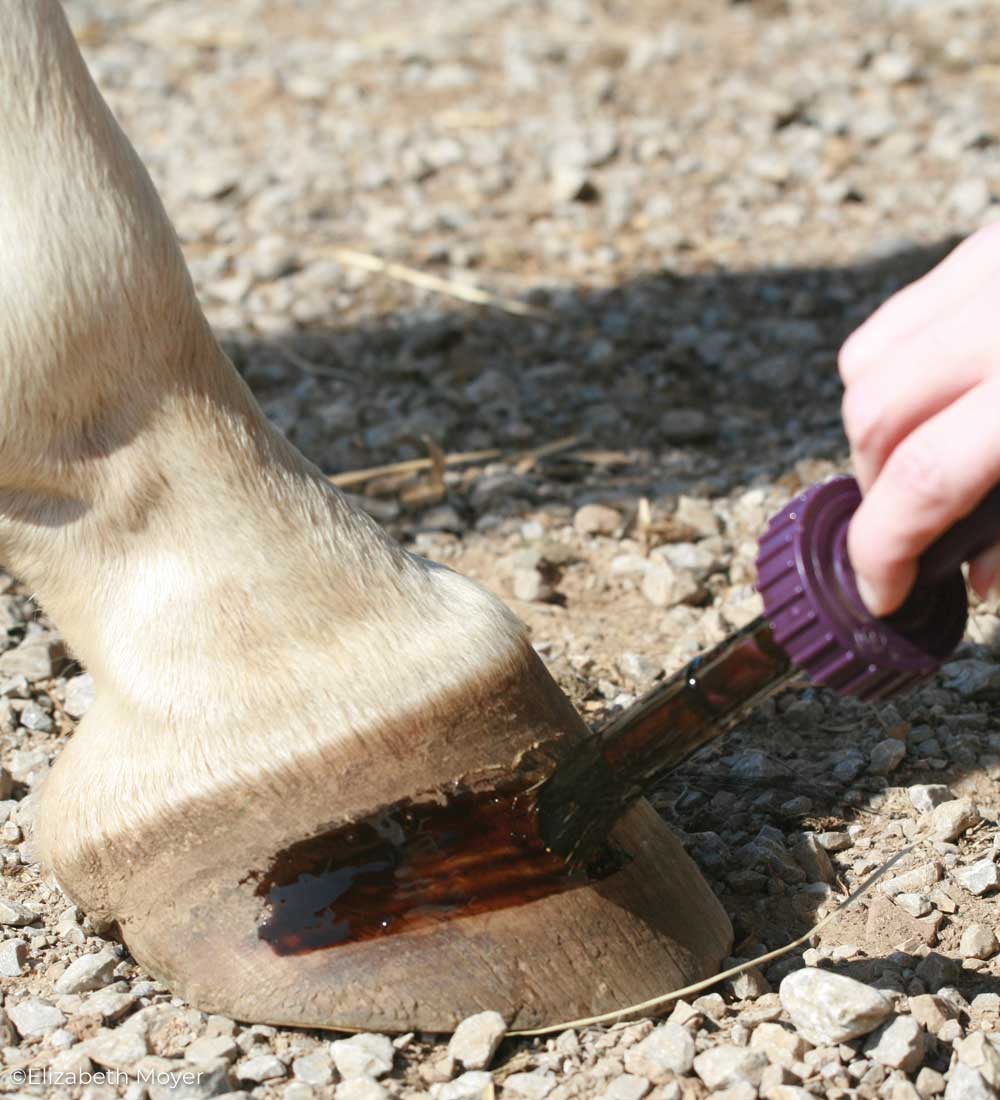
<point>811,598</point>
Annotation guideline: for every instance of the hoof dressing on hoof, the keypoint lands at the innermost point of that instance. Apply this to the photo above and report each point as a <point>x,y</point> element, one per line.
<point>283,696</point>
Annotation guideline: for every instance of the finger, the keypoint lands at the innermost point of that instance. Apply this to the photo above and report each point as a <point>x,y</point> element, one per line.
<point>923,374</point>
<point>914,307</point>
<point>938,474</point>
<point>984,573</point>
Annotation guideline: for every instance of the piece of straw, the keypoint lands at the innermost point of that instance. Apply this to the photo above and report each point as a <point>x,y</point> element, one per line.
<point>463,291</point>
<point>707,983</point>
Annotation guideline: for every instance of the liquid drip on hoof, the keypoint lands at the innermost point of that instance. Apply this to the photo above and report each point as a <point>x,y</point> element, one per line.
<point>414,866</point>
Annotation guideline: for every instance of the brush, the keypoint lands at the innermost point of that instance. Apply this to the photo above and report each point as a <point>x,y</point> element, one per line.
<point>814,623</point>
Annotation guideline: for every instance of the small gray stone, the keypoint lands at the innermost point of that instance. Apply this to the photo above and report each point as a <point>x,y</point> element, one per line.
<point>812,858</point>
<point>886,756</point>
<point>950,819</point>
<point>35,719</point>
<point>686,425</point>
<point>749,985</point>
<point>727,1064</point>
<point>210,1048</point>
<point>782,1047</point>
<point>964,1083</point>
<point>626,1087</point>
<point>295,1090</point>
<point>88,972</point>
<point>13,954</point>
<point>987,1005</point>
<point>27,765</point>
<point>260,1068</point>
<point>917,905</point>
<point>914,881</point>
<point>929,1082</point>
<point>830,1008</point>
<point>596,519</point>
<point>848,767</point>
<point>697,514</point>
<point>835,842</point>
<point>35,1017</point>
<point>978,942</point>
<point>15,915</point>
<point>168,1079</point>
<point>665,586</point>
<point>530,1086</point>
<point>313,1069</point>
<point>666,1051</point>
<point>969,198</point>
<point>361,1088</point>
<point>979,878</point>
<point>925,796</point>
<point>529,585</point>
<point>80,694</point>
<point>981,1052</point>
<point>898,1044</point>
<point>363,1055</point>
<point>109,1004</point>
<point>34,660</point>
<point>473,1085</point>
<point>116,1048</point>
<point>936,971</point>
<point>476,1039</point>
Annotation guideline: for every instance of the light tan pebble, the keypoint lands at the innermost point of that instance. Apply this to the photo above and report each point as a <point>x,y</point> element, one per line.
<point>898,1044</point>
<point>964,1083</point>
<point>978,942</point>
<point>979,878</point>
<point>260,1068</point>
<point>626,1086</point>
<point>929,1082</point>
<point>596,519</point>
<point>949,820</point>
<point>917,905</point>
<point>13,955</point>
<point>475,1084</point>
<point>534,1085</point>
<point>88,972</point>
<point>916,880</point>
<point>209,1047</point>
<point>476,1039</point>
<point>831,1008</point>
<point>931,1012</point>
<point>726,1064</point>
<point>15,915</point>
<point>361,1088</point>
<point>667,1051</point>
<point>116,1048</point>
<point>782,1046</point>
<point>979,1053</point>
<point>313,1069</point>
<point>362,1055</point>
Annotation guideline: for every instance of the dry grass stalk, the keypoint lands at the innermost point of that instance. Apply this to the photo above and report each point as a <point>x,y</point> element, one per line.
<point>658,1002</point>
<point>462,458</point>
<point>425,281</point>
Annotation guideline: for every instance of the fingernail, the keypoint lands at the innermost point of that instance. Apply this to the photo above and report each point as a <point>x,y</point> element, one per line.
<point>869,596</point>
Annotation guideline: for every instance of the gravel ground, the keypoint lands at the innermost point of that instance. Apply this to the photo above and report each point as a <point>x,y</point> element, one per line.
<point>699,199</point>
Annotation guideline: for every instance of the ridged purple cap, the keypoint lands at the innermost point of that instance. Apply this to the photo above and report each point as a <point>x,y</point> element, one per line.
<point>811,599</point>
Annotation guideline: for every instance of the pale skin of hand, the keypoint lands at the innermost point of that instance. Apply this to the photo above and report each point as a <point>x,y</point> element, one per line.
<point>922,414</point>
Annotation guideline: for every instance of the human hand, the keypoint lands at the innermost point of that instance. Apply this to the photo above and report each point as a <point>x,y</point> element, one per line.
<point>922,414</point>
